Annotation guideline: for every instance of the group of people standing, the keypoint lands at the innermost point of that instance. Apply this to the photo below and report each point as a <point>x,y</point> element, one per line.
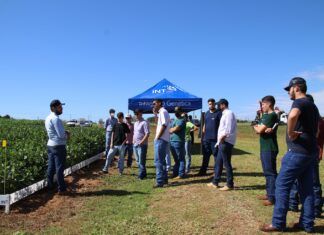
<point>299,172</point>
<point>123,138</point>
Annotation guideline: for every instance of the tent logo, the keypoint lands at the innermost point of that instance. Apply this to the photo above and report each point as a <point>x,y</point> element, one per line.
<point>164,89</point>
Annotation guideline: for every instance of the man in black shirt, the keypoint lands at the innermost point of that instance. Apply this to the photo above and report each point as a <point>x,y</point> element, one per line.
<point>118,144</point>
<point>298,163</point>
<point>209,135</point>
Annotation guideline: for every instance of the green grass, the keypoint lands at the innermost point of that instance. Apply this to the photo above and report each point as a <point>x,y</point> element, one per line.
<point>125,205</point>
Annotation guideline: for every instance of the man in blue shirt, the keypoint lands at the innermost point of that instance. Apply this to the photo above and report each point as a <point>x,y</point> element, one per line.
<point>209,132</point>
<point>298,163</point>
<point>56,146</point>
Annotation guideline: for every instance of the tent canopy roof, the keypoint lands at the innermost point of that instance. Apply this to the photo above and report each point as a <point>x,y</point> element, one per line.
<point>171,94</point>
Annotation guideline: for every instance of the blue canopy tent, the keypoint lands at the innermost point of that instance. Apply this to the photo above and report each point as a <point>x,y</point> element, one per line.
<point>171,94</point>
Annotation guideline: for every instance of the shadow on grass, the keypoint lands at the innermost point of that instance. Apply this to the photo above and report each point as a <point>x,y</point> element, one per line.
<point>239,152</point>
<point>108,192</point>
<point>189,182</point>
<point>250,187</point>
<point>249,174</point>
<point>317,229</point>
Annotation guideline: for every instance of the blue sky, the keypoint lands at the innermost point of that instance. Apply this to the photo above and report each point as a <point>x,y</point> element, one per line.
<point>94,55</point>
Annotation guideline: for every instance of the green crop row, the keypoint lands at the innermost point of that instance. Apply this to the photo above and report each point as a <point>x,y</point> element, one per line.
<point>24,161</point>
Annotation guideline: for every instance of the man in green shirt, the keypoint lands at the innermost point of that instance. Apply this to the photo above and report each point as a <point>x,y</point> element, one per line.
<point>267,129</point>
<point>190,128</point>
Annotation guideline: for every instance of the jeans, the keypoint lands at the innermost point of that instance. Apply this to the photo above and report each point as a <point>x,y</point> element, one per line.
<point>56,164</point>
<point>269,166</point>
<point>113,152</point>
<point>295,166</point>
<point>208,148</point>
<point>129,150</point>
<point>294,196</point>
<point>108,142</point>
<point>160,147</point>
<point>168,157</point>
<point>178,153</point>
<point>224,156</point>
<point>140,155</point>
<point>317,187</point>
<point>188,155</point>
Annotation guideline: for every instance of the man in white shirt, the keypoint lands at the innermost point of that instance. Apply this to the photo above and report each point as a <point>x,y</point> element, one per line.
<point>226,141</point>
<point>161,141</point>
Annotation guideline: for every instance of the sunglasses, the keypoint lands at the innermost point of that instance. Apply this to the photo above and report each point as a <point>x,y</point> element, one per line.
<point>154,103</point>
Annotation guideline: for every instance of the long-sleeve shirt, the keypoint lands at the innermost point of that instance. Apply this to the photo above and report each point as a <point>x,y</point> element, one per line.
<point>110,123</point>
<point>55,130</point>
<point>227,127</point>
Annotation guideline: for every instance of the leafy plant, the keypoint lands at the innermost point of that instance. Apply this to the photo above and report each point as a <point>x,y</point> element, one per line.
<point>27,153</point>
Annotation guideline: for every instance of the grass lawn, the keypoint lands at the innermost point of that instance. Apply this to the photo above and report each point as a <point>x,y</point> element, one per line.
<point>125,205</point>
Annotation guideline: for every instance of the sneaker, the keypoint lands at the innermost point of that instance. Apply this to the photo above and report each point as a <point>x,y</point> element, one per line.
<point>262,197</point>
<point>268,228</point>
<point>212,185</point>
<point>158,186</point>
<point>267,203</point>
<point>104,171</point>
<point>179,177</point>
<point>226,188</point>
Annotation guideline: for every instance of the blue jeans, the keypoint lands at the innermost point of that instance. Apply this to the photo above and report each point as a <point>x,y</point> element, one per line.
<point>129,150</point>
<point>208,148</point>
<point>108,142</point>
<point>112,153</point>
<point>294,197</point>
<point>317,187</point>
<point>140,155</point>
<point>295,166</point>
<point>168,157</point>
<point>160,147</point>
<point>269,166</point>
<point>224,156</point>
<point>56,164</point>
<point>178,153</point>
<point>188,144</point>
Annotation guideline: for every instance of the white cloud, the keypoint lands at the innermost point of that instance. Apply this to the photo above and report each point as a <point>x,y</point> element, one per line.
<point>319,100</point>
<point>317,73</point>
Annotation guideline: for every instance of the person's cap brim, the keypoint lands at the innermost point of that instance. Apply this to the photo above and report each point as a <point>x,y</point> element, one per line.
<point>287,88</point>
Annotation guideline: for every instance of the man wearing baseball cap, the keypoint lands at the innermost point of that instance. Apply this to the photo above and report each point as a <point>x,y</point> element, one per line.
<point>56,146</point>
<point>298,162</point>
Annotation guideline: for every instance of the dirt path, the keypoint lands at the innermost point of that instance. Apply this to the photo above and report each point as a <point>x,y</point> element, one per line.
<point>42,209</point>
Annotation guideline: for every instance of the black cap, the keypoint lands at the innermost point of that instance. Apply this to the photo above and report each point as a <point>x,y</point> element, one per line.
<point>177,109</point>
<point>295,81</point>
<point>222,101</point>
<point>56,103</point>
<point>112,111</point>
